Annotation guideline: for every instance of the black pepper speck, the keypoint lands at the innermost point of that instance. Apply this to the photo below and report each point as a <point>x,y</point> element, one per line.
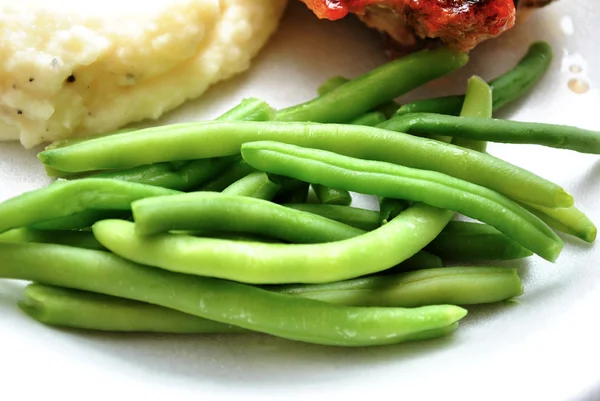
<point>19,112</point>
<point>31,79</point>
<point>71,79</point>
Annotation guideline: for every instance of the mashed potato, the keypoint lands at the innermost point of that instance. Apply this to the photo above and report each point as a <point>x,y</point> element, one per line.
<point>73,67</point>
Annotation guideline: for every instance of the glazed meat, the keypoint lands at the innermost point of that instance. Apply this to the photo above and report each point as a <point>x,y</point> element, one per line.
<point>461,24</point>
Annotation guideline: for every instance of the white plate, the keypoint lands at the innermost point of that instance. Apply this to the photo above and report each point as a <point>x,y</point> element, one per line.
<point>545,347</point>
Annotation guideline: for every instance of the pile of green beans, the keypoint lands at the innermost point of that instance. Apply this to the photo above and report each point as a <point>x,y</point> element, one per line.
<point>246,223</point>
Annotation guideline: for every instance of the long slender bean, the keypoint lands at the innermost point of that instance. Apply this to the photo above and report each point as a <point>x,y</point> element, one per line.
<point>364,219</point>
<point>80,239</point>
<point>255,185</point>
<point>470,242</point>
<point>332,196</point>
<point>86,310</point>
<point>447,285</point>
<point>506,88</point>
<point>205,211</point>
<point>479,105</point>
<point>382,84</point>
<point>66,198</point>
<point>495,130</point>
<point>223,301</point>
<point>393,181</point>
<point>371,119</point>
<point>279,263</point>
<point>570,221</point>
<point>79,220</point>
<point>217,139</point>
<point>235,172</point>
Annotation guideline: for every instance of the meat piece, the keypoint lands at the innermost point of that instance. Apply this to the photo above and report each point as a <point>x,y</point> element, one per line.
<point>461,24</point>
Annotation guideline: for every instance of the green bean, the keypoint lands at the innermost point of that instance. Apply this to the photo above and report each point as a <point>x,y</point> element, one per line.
<point>393,181</point>
<point>570,221</point>
<point>389,208</point>
<point>503,131</point>
<point>79,220</point>
<point>447,285</point>
<point>462,286</point>
<point>80,239</point>
<point>87,310</point>
<point>227,302</point>
<point>472,242</point>
<point>370,119</point>
<point>506,88</point>
<point>364,219</point>
<point>255,185</point>
<point>279,263</point>
<point>479,105</point>
<point>235,172</point>
<point>249,109</point>
<point>331,84</point>
<point>376,87</point>
<point>332,196</point>
<point>420,260</point>
<point>66,198</point>
<point>217,139</point>
<point>205,211</point>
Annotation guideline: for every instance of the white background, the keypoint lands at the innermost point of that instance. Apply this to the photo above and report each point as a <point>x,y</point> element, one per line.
<point>544,347</point>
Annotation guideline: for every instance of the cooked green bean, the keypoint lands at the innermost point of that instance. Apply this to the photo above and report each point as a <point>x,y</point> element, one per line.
<point>380,85</point>
<point>235,172</point>
<point>364,219</point>
<point>249,109</point>
<point>217,139</point>
<point>255,185</point>
<point>506,88</point>
<point>393,181</point>
<point>80,239</point>
<point>223,301</point>
<point>479,105</point>
<point>474,242</point>
<point>389,208</point>
<point>85,310</point>
<point>369,119</point>
<point>446,285</point>
<point>331,84</point>
<point>332,196</point>
<point>420,260</point>
<point>66,198</point>
<point>91,311</point>
<point>279,263</point>
<point>570,221</point>
<point>207,211</point>
<point>496,130</point>
<point>79,220</point>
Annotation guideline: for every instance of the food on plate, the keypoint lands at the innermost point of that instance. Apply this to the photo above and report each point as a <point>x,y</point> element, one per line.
<point>208,227</point>
<point>461,24</point>
<point>74,68</point>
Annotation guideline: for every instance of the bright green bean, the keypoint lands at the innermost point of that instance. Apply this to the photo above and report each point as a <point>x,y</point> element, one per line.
<point>389,208</point>
<point>473,242</point>
<point>87,310</point>
<point>446,285</point>
<point>393,181</point>
<point>370,119</point>
<point>506,88</point>
<point>235,172</point>
<point>249,109</point>
<point>331,84</point>
<point>380,85</point>
<point>227,302</point>
<point>332,196</point>
<point>420,260</point>
<point>206,211</point>
<point>66,198</point>
<point>478,104</point>
<point>364,219</point>
<point>217,139</point>
<point>279,263</point>
<point>79,220</point>
<point>503,131</point>
<point>570,221</point>
<point>80,239</point>
<point>255,185</point>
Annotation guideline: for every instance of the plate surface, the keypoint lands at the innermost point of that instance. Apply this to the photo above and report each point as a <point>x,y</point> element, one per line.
<point>543,347</point>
